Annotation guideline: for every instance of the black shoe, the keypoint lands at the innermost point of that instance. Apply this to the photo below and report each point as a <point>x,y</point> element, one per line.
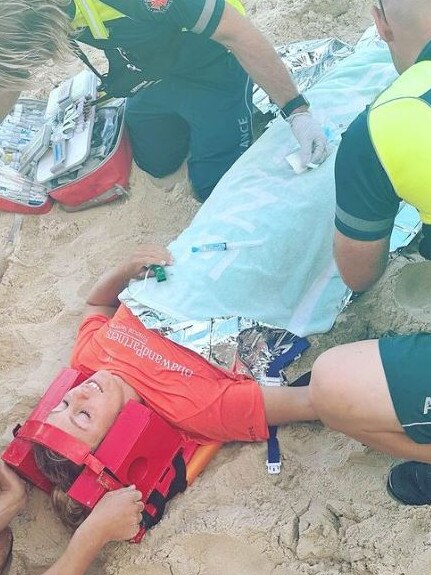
<point>410,483</point>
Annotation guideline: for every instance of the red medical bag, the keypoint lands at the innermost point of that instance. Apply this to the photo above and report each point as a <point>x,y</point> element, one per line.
<point>101,183</point>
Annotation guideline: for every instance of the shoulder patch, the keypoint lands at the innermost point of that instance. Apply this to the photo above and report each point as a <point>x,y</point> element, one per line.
<point>157,5</point>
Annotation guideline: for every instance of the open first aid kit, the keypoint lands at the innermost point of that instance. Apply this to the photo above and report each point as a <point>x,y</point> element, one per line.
<point>68,149</point>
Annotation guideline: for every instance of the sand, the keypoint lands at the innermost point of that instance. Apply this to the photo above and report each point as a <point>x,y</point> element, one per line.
<point>327,513</point>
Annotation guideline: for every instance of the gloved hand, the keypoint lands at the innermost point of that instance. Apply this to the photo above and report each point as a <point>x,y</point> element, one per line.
<point>314,146</point>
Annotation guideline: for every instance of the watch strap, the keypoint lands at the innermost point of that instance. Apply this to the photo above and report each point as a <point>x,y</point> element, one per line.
<point>291,105</point>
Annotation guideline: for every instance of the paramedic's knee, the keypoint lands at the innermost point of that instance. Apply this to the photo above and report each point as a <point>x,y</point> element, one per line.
<point>204,177</point>
<point>202,193</point>
<point>325,395</point>
<point>160,143</point>
<point>158,168</point>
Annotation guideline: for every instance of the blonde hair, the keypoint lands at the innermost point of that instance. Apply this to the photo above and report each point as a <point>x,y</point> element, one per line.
<point>62,473</point>
<point>71,513</point>
<point>31,33</point>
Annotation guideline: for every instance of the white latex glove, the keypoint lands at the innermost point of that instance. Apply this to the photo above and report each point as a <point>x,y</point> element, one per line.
<point>307,130</point>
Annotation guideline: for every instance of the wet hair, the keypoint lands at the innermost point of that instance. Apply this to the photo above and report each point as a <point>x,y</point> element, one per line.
<point>62,473</point>
<point>32,32</point>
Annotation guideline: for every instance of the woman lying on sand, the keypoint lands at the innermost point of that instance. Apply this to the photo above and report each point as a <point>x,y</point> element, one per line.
<point>205,402</point>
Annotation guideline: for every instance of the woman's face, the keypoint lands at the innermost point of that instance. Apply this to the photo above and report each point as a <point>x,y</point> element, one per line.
<point>88,410</point>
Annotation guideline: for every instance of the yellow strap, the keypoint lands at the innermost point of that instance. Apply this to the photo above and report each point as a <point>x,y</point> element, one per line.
<point>93,13</point>
<point>400,127</point>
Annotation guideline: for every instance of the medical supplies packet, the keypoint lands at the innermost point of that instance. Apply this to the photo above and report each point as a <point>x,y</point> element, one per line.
<point>101,178</point>
<point>18,192</point>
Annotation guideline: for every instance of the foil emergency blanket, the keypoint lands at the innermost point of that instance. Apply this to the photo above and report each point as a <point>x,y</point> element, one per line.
<point>232,343</point>
<point>307,61</point>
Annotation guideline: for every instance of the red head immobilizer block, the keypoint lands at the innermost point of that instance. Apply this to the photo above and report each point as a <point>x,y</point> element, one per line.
<point>140,448</point>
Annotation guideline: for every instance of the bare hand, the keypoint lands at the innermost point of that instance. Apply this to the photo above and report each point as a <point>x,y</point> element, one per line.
<point>116,517</point>
<point>144,256</point>
<point>12,487</point>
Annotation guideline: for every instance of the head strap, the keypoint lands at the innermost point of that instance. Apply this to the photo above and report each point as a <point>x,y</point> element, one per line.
<point>61,442</point>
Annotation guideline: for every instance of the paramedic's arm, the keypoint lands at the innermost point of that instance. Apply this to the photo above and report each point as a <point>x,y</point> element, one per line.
<point>115,518</point>
<point>361,263</point>
<point>256,55</point>
<point>103,298</point>
<point>260,60</point>
<point>7,102</point>
<point>366,208</point>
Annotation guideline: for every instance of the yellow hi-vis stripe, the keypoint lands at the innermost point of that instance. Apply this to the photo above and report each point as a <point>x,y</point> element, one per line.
<point>237,5</point>
<point>94,13</point>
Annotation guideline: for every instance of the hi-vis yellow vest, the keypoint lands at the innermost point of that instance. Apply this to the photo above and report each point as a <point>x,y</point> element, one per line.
<point>399,124</point>
<point>94,14</point>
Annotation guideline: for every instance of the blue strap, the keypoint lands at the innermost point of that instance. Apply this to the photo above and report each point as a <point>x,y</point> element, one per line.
<point>282,360</point>
<point>273,462</point>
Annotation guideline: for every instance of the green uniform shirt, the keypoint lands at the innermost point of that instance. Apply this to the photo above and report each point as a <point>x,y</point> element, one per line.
<point>163,37</point>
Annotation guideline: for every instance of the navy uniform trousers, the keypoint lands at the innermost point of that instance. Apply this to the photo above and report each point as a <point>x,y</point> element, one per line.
<point>206,118</point>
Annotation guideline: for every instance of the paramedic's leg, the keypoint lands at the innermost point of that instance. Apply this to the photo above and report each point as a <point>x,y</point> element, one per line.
<point>220,127</point>
<point>349,392</point>
<point>160,141</point>
<point>287,404</point>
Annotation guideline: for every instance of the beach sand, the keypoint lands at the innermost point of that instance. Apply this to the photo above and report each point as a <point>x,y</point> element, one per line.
<point>327,513</point>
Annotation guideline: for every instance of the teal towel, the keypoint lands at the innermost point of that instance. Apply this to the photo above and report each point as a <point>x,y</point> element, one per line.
<point>291,280</point>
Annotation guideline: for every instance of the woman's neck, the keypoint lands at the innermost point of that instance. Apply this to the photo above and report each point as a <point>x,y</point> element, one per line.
<point>128,391</point>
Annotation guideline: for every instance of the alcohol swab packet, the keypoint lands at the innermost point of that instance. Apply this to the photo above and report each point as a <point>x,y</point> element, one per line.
<point>294,161</point>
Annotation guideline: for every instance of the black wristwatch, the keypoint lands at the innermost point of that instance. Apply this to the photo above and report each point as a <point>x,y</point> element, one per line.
<point>291,105</point>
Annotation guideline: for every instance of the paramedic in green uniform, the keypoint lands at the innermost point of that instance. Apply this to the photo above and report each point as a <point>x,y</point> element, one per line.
<point>380,391</point>
<point>188,64</point>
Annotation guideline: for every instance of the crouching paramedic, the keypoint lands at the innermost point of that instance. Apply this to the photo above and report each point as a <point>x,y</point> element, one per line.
<point>185,65</point>
<point>384,158</point>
